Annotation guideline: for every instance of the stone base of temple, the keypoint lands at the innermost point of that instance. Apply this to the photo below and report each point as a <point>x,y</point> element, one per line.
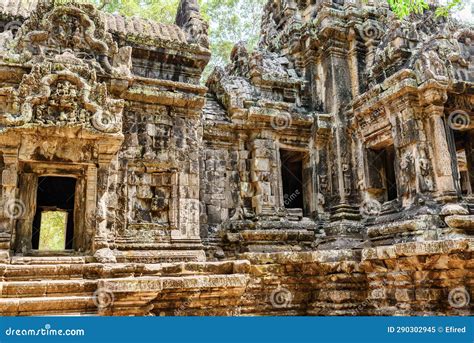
<point>417,278</point>
<point>342,234</point>
<point>158,256</point>
<point>268,236</point>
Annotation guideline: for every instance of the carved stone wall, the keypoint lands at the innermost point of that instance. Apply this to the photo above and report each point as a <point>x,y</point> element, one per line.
<point>328,172</point>
<point>77,100</point>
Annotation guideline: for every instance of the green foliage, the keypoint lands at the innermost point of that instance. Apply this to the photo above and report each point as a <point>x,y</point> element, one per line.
<point>453,5</point>
<point>160,10</point>
<point>53,230</point>
<point>230,21</point>
<point>403,8</point>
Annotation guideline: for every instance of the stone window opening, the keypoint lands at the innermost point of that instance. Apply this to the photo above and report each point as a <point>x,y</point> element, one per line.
<point>381,170</point>
<point>292,179</point>
<point>53,223</point>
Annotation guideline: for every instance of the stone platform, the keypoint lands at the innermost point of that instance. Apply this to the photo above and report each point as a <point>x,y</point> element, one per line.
<point>430,278</point>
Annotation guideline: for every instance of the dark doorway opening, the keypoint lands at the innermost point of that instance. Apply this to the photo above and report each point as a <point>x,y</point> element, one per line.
<point>463,160</point>
<point>54,199</point>
<point>381,169</point>
<point>390,178</point>
<point>292,178</point>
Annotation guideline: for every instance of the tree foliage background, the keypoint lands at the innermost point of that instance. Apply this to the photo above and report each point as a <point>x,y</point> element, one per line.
<point>230,21</point>
<point>53,230</point>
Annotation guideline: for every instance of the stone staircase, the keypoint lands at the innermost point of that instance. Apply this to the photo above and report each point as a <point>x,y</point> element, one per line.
<point>41,286</point>
<point>73,287</point>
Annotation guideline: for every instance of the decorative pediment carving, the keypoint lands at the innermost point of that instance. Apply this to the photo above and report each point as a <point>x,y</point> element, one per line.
<point>53,29</point>
<point>430,66</point>
<point>64,97</point>
<point>436,48</point>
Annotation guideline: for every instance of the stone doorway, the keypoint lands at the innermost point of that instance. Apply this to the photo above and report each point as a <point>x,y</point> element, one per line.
<point>53,223</point>
<point>292,178</point>
<point>388,158</point>
<point>59,205</point>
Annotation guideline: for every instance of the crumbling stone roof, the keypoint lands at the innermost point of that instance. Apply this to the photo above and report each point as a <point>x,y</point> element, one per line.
<point>135,26</point>
<point>257,75</point>
<point>426,44</point>
<point>125,27</point>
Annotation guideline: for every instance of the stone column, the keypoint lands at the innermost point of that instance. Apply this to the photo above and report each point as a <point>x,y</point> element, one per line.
<point>262,151</point>
<point>403,112</point>
<point>338,94</point>
<point>442,159</point>
<point>11,208</point>
<point>102,251</point>
<point>319,157</point>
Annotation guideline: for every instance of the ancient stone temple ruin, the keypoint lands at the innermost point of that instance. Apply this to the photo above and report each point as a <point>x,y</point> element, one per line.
<point>328,172</point>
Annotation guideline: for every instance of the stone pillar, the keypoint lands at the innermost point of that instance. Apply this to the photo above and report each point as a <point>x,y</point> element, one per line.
<point>338,94</point>
<point>22,211</point>
<point>344,229</point>
<point>261,165</point>
<point>321,175</point>
<point>101,248</point>
<point>11,208</point>
<point>443,171</point>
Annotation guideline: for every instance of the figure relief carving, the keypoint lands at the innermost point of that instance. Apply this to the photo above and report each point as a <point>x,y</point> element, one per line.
<point>65,97</point>
<point>78,29</point>
<point>430,66</point>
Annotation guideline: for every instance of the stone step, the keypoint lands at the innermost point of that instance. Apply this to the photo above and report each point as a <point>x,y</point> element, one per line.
<point>45,260</point>
<point>471,208</point>
<point>19,272</point>
<point>47,288</point>
<point>295,212</point>
<point>37,306</point>
<point>93,271</point>
<point>281,236</point>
